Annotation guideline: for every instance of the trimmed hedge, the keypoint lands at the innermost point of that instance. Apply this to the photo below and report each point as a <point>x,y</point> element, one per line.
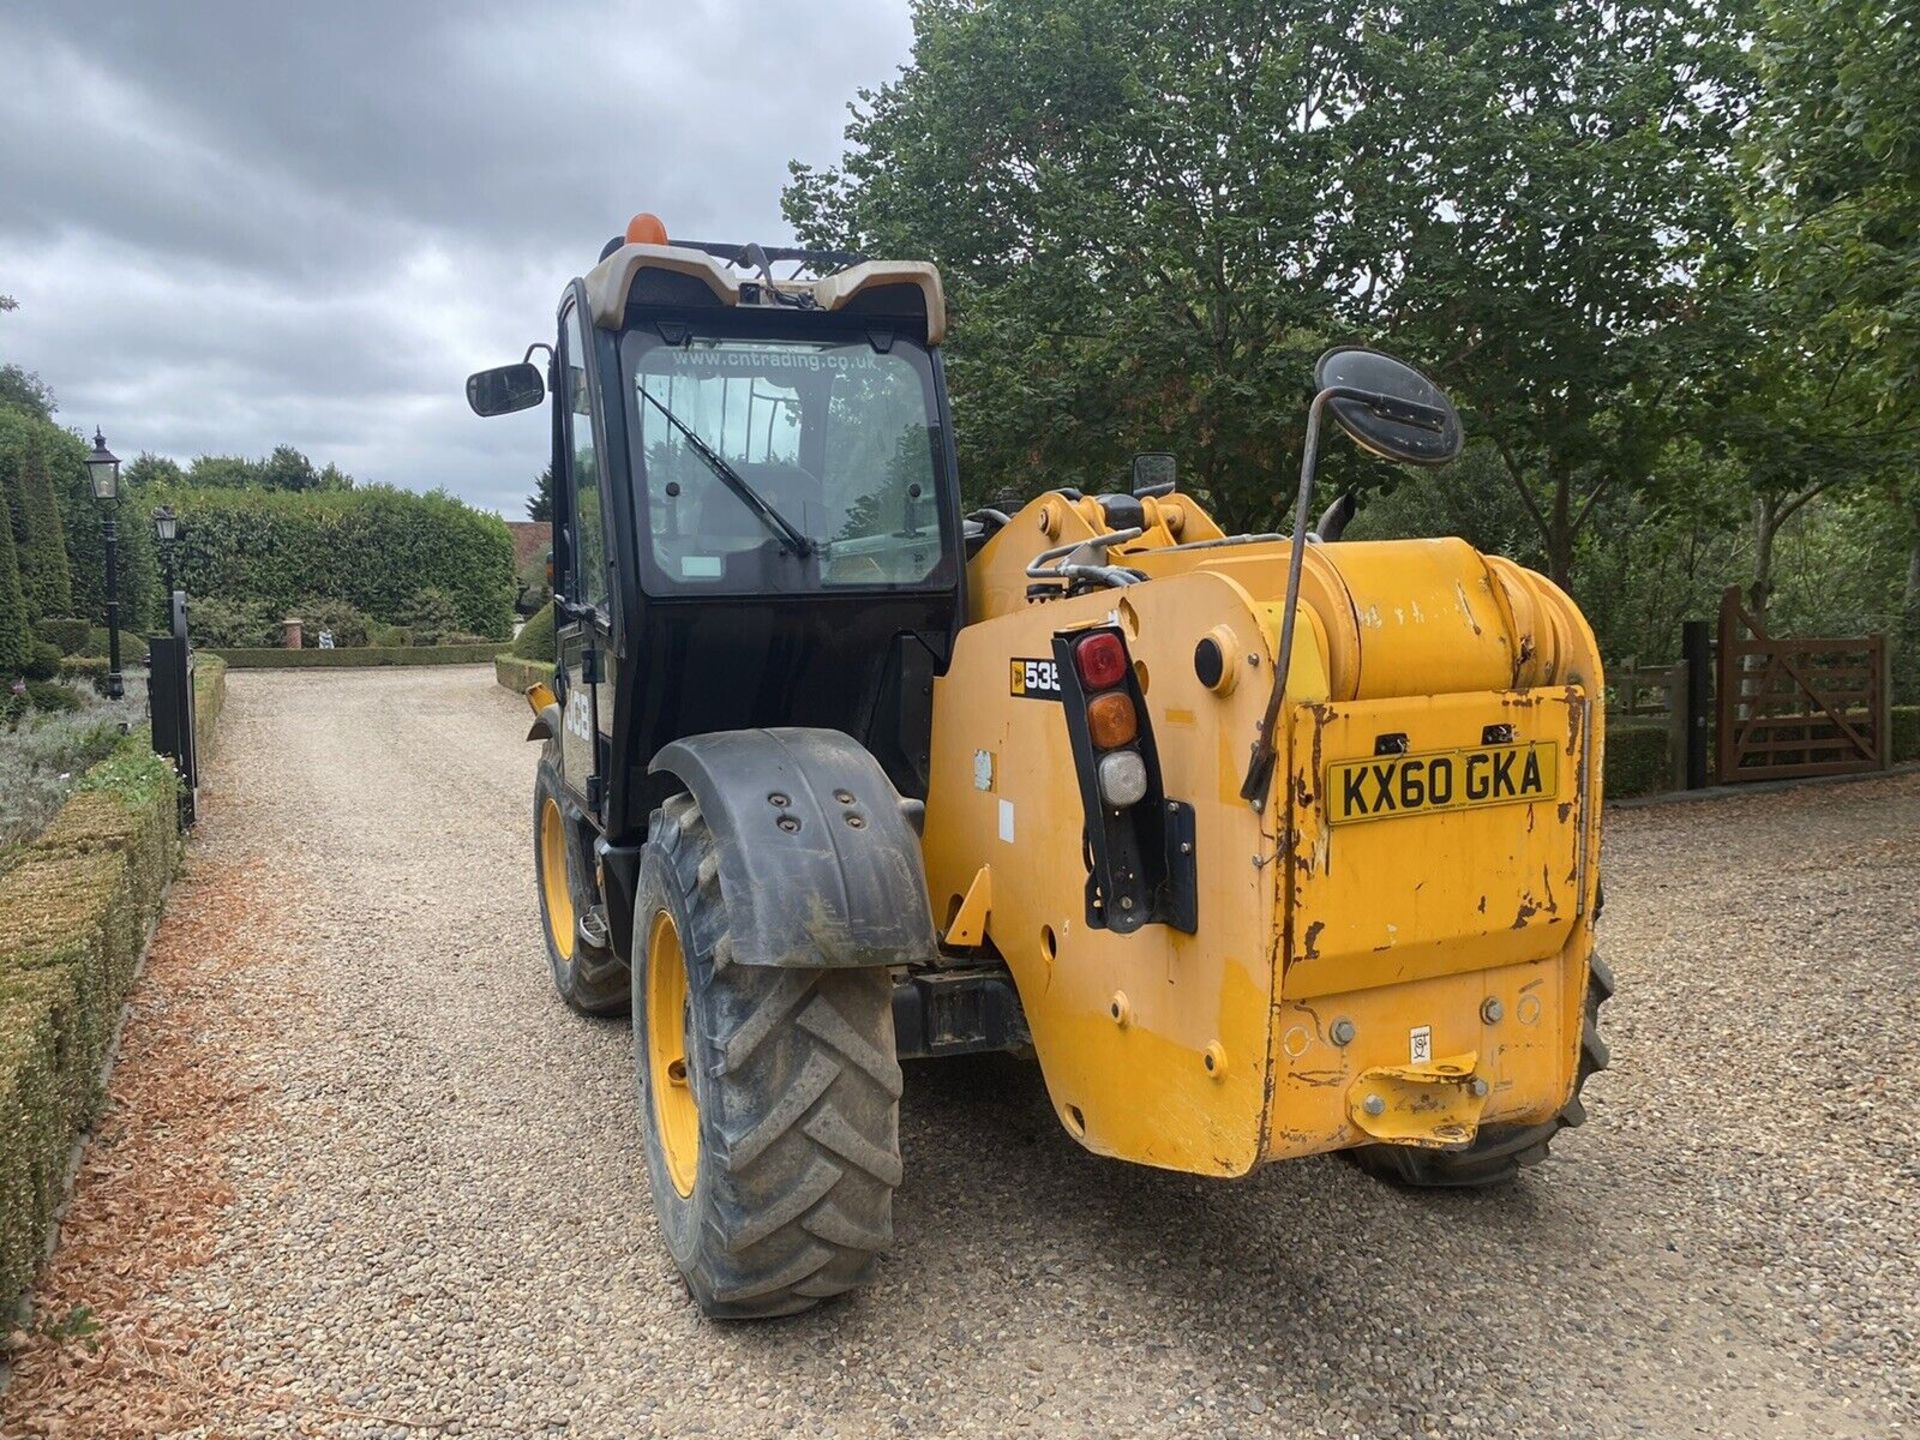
<point>1906,733</point>
<point>376,548</point>
<point>63,453</point>
<point>15,638</point>
<point>1637,752</point>
<point>66,632</point>
<point>75,912</point>
<point>535,640</point>
<point>518,674</point>
<point>209,699</point>
<point>273,658</point>
<point>1636,759</point>
<point>40,537</point>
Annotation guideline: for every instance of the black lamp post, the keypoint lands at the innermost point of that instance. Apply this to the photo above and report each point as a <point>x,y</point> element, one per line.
<point>103,471</point>
<point>166,529</point>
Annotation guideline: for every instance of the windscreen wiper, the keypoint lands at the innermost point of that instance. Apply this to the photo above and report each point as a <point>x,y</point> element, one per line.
<point>750,497</point>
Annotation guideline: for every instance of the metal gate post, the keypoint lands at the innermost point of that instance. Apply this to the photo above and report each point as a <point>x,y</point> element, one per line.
<point>170,700</point>
<point>1696,650</point>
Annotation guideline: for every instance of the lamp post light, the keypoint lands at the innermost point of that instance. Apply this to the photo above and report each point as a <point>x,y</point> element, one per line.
<point>166,529</point>
<point>103,471</point>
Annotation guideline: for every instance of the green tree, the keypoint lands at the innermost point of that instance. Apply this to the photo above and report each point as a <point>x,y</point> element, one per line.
<point>1470,498</point>
<point>1566,176</point>
<point>285,469</point>
<point>15,637</point>
<point>81,519</point>
<point>1800,420</point>
<point>40,541</point>
<point>148,470</point>
<point>222,472</point>
<point>23,390</point>
<point>1835,163</point>
<point>1833,160</point>
<point>1149,216</point>
<point>540,503</point>
<point>1153,214</point>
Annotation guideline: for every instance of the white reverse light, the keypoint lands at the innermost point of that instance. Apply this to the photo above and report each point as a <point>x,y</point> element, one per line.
<point>1123,778</point>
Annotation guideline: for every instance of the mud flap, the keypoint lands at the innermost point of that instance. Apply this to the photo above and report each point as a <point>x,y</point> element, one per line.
<point>818,857</point>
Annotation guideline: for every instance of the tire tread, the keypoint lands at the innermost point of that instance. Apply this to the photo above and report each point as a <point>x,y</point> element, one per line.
<point>801,1147</point>
<point>594,981</point>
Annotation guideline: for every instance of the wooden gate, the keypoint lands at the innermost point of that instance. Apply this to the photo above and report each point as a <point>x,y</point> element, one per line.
<point>1798,706</point>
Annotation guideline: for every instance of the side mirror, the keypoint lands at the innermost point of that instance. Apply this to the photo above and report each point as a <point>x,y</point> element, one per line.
<point>1154,472</point>
<point>505,389</point>
<point>1388,408</point>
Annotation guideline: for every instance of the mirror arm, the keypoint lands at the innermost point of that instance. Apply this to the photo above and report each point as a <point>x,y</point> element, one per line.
<point>1260,765</point>
<point>1410,412</point>
<point>551,374</point>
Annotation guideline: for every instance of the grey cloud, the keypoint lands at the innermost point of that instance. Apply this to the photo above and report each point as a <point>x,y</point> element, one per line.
<point>232,225</point>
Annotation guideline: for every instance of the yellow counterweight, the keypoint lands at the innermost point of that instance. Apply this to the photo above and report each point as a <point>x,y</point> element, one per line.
<point>1400,960</point>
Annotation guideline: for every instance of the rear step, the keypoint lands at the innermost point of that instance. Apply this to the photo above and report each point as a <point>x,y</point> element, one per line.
<point>592,928</point>
<point>957,1012</point>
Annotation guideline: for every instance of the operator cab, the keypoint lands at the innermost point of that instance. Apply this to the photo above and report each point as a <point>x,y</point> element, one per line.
<point>756,507</point>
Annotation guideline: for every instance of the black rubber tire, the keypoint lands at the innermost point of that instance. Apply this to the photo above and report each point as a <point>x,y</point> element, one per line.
<point>1499,1152</point>
<point>593,980</point>
<point>798,1089</point>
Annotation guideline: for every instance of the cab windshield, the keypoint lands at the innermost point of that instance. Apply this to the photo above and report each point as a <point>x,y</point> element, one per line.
<point>783,465</point>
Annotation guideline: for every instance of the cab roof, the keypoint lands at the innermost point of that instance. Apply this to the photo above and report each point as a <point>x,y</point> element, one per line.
<point>677,274</point>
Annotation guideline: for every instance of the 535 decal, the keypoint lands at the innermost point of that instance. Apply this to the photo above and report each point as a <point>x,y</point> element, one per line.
<point>1034,679</point>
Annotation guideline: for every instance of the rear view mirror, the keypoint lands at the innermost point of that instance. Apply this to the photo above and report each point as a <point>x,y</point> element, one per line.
<point>1393,411</point>
<point>1154,472</point>
<point>505,389</point>
<point>1399,415</point>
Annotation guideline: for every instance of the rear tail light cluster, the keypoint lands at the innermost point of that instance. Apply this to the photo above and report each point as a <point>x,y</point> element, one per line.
<point>1142,868</point>
<point>1113,724</point>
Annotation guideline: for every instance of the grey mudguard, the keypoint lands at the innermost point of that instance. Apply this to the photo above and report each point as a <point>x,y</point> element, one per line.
<point>818,863</point>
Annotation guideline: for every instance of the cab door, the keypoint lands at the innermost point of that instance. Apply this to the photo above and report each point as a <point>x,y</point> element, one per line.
<point>583,612</point>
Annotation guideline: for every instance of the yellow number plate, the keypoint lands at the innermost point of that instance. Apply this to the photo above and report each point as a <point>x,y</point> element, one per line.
<point>1389,785</point>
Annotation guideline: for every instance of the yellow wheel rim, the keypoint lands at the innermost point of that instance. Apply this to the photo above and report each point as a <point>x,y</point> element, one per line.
<point>553,877</point>
<point>676,1114</point>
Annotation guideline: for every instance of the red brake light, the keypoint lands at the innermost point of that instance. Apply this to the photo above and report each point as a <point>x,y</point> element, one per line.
<point>1101,660</point>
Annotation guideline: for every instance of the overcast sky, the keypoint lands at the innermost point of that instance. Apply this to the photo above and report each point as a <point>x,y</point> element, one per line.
<point>234,225</point>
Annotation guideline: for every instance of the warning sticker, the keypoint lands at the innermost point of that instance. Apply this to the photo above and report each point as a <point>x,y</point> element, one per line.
<point>1420,1045</point>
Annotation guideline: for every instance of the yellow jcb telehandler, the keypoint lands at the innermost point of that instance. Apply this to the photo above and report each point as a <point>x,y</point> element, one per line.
<point>1261,845</point>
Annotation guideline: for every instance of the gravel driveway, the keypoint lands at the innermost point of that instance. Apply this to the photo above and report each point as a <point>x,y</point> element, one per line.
<point>439,1221</point>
